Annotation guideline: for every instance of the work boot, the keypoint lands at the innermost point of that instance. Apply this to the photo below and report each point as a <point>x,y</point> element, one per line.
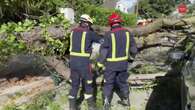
<point>124,102</point>
<point>124,96</point>
<point>72,104</point>
<point>106,104</point>
<point>91,104</point>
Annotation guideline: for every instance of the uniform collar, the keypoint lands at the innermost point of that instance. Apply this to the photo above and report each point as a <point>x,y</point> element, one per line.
<point>116,27</point>
<point>80,28</point>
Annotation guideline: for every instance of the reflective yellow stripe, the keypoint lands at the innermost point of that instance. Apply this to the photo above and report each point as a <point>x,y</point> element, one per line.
<point>83,42</point>
<point>127,43</point>
<point>87,96</point>
<point>80,54</point>
<point>89,81</point>
<point>113,45</point>
<point>100,65</point>
<point>71,97</point>
<point>71,41</point>
<point>117,59</point>
<point>114,59</point>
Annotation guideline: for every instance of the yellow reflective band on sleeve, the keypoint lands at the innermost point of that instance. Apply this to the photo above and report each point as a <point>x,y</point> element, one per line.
<point>71,41</point>
<point>82,53</point>
<point>114,58</point>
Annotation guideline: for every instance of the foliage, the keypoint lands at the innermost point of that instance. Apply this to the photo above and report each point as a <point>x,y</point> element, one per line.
<point>27,8</point>
<point>43,102</point>
<point>99,100</point>
<point>100,15</point>
<point>54,46</point>
<point>157,8</point>
<point>192,9</point>
<point>34,8</point>
<point>12,44</point>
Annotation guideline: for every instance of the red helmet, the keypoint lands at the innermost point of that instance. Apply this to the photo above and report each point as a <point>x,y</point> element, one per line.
<point>114,18</point>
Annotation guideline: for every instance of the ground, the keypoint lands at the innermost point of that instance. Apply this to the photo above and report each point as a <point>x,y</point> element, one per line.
<point>20,93</point>
<point>40,93</point>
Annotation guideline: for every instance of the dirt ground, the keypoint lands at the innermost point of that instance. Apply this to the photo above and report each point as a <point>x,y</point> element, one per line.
<point>12,88</point>
<point>22,91</point>
<point>8,83</point>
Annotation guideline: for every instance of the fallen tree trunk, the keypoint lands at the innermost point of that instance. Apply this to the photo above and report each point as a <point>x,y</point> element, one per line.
<point>165,38</point>
<point>164,23</point>
<point>57,32</point>
<point>33,65</point>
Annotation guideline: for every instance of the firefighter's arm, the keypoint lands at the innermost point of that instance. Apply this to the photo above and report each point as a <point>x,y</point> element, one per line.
<point>133,49</point>
<point>96,37</point>
<point>102,57</point>
<point>103,52</point>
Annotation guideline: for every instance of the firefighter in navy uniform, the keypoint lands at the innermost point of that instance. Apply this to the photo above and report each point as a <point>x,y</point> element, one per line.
<point>115,52</point>
<point>81,40</point>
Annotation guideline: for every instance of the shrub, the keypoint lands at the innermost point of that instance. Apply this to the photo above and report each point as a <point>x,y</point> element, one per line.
<point>12,44</point>
<point>100,15</point>
<point>34,8</point>
<point>27,9</point>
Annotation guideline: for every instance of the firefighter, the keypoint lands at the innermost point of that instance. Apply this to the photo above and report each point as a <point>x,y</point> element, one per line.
<point>115,52</point>
<point>81,40</point>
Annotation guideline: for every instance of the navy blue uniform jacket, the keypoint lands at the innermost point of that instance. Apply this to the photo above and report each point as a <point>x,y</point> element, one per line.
<point>106,48</point>
<point>79,62</point>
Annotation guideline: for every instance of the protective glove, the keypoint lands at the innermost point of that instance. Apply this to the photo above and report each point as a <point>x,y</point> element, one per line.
<point>131,59</point>
<point>100,68</point>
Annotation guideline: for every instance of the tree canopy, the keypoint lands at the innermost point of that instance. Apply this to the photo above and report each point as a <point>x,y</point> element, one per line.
<point>157,8</point>
<point>16,10</point>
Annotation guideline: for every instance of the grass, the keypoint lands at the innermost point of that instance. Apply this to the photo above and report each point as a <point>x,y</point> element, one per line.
<point>40,103</point>
<point>51,100</point>
<point>99,101</point>
<point>9,107</point>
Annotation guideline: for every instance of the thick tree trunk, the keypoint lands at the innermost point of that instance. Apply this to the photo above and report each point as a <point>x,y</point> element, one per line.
<point>57,32</point>
<point>165,23</point>
<point>22,65</point>
<point>168,36</point>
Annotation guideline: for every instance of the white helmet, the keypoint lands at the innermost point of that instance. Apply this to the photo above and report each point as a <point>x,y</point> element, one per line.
<point>87,18</point>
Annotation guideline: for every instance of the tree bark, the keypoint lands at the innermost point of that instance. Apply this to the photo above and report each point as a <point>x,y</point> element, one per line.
<point>168,36</point>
